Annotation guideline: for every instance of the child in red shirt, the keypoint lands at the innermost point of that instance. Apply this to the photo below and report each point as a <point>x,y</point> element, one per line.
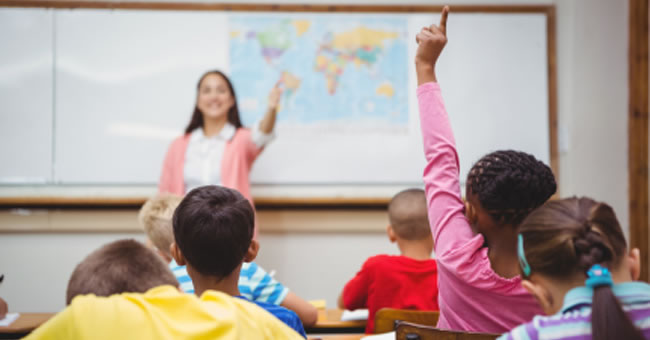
<point>408,281</point>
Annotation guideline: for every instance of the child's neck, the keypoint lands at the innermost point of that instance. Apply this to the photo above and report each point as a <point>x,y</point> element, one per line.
<point>228,284</point>
<point>416,250</point>
<point>502,252</point>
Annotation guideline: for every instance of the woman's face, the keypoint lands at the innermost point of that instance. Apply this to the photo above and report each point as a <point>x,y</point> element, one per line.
<point>214,99</point>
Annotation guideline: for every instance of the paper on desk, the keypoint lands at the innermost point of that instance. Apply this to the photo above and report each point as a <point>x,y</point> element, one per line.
<point>382,336</point>
<point>9,318</point>
<point>354,315</point>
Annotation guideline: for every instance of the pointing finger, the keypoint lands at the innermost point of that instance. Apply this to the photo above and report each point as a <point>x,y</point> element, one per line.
<point>443,19</point>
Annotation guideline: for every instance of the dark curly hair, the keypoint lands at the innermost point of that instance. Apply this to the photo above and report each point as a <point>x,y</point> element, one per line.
<point>510,184</point>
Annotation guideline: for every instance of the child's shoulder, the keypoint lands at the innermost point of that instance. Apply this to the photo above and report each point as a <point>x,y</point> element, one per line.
<point>384,259</point>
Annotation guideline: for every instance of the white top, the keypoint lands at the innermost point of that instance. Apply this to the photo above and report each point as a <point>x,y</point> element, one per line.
<point>203,156</point>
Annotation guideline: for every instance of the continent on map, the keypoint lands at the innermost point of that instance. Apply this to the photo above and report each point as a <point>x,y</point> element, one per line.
<point>386,90</point>
<point>361,46</point>
<point>301,26</point>
<point>291,83</point>
<point>274,40</point>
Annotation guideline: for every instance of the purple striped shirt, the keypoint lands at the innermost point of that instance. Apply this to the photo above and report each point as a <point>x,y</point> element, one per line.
<point>573,322</point>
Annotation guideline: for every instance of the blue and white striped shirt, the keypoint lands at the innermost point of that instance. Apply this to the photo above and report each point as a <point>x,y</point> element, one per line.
<point>255,283</point>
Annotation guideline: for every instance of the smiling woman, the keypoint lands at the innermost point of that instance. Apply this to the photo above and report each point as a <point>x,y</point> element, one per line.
<point>216,148</point>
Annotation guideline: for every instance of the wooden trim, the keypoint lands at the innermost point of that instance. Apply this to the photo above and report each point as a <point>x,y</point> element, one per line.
<point>253,7</point>
<point>125,220</point>
<point>551,51</point>
<point>638,130</point>
<point>284,202</point>
<point>260,202</point>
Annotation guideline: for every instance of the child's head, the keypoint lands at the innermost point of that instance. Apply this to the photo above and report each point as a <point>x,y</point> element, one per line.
<point>561,241</point>
<point>119,267</point>
<point>213,230</point>
<point>503,187</point>
<point>156,218</point>
<point>407,213</point>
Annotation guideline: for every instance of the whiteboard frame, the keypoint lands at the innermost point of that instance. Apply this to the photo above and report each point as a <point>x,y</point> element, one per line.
<point>32,197</point>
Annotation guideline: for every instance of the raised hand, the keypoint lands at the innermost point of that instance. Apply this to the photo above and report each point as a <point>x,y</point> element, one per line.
<point>431,41</point>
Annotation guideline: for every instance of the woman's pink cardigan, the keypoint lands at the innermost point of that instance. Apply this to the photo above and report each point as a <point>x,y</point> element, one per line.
<point>236,164</point>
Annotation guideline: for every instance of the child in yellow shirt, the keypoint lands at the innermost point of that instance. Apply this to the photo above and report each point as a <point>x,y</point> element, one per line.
<point>162,312</point>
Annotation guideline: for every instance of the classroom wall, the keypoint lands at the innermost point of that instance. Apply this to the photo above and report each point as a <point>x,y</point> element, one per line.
<point>592,88</point>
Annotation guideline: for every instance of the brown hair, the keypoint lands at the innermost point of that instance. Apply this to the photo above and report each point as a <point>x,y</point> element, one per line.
<point>156,218</point>
<point>119,267</point>
<point>564,238</point>
<point>407,212</point>
<point>233,114</point>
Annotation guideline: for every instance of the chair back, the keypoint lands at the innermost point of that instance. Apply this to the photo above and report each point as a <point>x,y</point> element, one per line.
<point>410,331</point>
<point>386,319</point>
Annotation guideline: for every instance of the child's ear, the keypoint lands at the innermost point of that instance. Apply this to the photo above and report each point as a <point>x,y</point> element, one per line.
<point>634,263</point>
<point>470,213</point>
<point>391,234</point>
<point>543,296</point>
<point>177,255</point>
<point>253,249</point>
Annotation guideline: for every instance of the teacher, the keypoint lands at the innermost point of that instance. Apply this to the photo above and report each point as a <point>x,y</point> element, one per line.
<point>216,149</point>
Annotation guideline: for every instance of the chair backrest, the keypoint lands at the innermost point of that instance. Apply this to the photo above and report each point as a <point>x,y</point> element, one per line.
<point>386,319</point>
<point>410,331</point>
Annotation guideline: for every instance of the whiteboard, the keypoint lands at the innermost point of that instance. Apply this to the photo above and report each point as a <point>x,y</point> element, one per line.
<point>26,107</point>
<point>125,86</point>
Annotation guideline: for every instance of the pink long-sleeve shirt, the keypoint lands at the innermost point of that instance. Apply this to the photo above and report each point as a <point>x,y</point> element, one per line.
<point>472,296</point>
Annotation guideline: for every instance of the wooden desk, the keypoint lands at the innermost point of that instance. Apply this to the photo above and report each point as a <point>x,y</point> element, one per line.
<point>338,337</point>
<point>25,323</point>
<point>329,321</point>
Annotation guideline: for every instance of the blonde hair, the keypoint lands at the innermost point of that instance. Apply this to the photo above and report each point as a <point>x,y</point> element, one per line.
<point>156,218</point>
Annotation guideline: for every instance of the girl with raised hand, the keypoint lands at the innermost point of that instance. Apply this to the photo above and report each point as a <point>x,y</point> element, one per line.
<point>476,248</point>
<point>576,263</point>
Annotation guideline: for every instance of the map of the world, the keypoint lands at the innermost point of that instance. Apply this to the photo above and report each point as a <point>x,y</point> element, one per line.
<point>335,70</point>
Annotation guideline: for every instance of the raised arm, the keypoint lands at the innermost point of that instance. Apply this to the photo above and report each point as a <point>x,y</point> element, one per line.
<point>449,226</point>
<point>268,121</point>
<point>431,40</point>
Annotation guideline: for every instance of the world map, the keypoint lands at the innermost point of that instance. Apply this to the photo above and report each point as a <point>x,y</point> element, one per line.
<point>335,70</point>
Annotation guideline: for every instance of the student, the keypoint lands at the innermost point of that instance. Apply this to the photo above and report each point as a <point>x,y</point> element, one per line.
<point>162,312</point>
<point>576,263</point>
<point>113,269</point>
<point>254,283</point>
<point>476,248</point>
<point>407,281</point>
<point>213,237</point>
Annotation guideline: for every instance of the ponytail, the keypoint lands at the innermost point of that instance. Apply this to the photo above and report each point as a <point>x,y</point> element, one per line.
<point>608,319</point>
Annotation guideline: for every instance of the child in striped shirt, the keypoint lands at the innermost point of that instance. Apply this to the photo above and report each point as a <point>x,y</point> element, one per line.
<point>560,245</point>
<point>255,283</point>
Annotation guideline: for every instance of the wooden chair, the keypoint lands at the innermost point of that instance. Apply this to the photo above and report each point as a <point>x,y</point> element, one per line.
<point>410,331</point>
<point>386,319</point>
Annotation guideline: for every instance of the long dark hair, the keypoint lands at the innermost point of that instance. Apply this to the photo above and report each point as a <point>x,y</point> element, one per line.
<point>197,116</point>
<point>565,238</point>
